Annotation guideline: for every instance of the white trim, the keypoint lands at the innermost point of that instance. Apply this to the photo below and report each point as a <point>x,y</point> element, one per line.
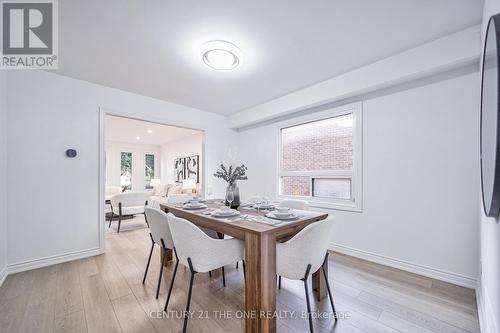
<point>3,275</point>
<point>103,111</point>
<point>435,273</point>
<point>51,260</point>
<point>156,166</point>
<point>355,175</point>
<point>101,167</point>
<point>487,321</point>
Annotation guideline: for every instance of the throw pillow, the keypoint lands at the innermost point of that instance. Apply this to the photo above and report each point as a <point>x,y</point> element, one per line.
<point>161,190</point>
<point>176,189</point>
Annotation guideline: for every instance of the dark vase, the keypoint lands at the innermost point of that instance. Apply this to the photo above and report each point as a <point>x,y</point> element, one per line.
<point>236,202</point>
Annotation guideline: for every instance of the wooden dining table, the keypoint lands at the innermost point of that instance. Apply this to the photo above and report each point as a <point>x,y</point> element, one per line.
<point>260,256</point>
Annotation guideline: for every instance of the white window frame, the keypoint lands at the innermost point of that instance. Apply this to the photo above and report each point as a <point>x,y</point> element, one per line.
<point>356,202</point>
<point>147,152</point>
<point>132,153</point>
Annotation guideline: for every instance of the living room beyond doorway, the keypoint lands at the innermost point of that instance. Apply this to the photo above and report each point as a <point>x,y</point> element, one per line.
<point>147,163</point>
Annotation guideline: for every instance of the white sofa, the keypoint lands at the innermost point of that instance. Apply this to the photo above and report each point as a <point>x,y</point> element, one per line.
<point>168,193</point>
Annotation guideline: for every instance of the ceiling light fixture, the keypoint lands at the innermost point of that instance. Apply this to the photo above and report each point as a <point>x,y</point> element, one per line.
<point>150,131</point>
<point>137,137</point>
<point>221,55</point>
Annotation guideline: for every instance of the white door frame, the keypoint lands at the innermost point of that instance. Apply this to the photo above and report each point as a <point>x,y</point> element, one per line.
<point>102,161</point>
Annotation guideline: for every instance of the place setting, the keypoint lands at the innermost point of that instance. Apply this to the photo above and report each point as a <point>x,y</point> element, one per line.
<point>193,205</point>
<point>282,214</point>
<point>263,204</point>
<point>223,212</point>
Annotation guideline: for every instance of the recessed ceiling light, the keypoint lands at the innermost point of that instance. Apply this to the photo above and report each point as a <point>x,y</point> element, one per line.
<point>150,131</point>
<point>221,55</point>
<point>137,137</point>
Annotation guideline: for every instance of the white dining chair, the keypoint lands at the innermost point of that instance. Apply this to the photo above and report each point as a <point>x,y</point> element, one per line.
<point>180,199</point>
<point>160,235</point>
<point>255,199</point>
<point>200,253</point>
<point>306,252</point>
<point>294,204</point>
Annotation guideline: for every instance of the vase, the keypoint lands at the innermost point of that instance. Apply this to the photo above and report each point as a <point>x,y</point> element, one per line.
<point>236,191</point>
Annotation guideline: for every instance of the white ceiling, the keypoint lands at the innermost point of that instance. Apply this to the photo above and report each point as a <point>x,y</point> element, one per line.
<point>151,47</point>
<point>126,130</point>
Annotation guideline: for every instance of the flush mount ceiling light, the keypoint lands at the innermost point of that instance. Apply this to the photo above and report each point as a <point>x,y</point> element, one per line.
<point>137,137</point>
<point>150,131</point>
<point>221,55</point>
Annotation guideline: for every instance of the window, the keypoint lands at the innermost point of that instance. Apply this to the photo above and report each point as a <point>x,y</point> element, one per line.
<point>320,159</point>
<point>126,171</point>
<point>149,172</point>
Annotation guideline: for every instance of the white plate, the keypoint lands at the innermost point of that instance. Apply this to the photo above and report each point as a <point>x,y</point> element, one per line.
<point>194,207</point>
<point>283,214</point>
<point>288,217</point>
<point>220,213</point>
<point>262,206</point>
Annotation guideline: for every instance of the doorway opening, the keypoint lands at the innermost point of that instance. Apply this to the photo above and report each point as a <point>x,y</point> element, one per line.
<point>144,162</point>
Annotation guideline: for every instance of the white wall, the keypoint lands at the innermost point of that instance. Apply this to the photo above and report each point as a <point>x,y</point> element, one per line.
<point>188,146</point>
<point>489,259</point>
<point>113,163</point>
<point>437,56</point>
<point>53,200</point>
<point>3,175</point>
<point>420,175</point>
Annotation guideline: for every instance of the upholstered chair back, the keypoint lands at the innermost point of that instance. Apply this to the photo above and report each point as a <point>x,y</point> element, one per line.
<point>130,199</point>
<point>309,246</point>
<point>294,204</point>
<point>158,223</point>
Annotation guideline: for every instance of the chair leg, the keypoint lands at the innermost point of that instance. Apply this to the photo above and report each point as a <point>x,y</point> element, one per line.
<point>172,282</point>
<point>161,273</point>
<point>186,314</point>
<point>119,216</point>
<point>110,216</point>
<point>243,263</point>
<point>279,282</point>
<point>237,264</point>
<point>328,288</point>
<point>210,273</point>
<point>145,217</point>
<point>149,259</point>
<point>223,277</point>
<point>307,299</point>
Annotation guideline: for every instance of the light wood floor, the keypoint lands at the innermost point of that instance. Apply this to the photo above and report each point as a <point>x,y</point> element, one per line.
<point>105,294</point>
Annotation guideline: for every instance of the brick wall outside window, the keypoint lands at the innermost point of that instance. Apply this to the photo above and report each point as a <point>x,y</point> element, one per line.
<point>319,145</point>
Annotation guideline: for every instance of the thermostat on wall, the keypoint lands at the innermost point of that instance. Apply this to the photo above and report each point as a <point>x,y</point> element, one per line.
<point>71,153</point>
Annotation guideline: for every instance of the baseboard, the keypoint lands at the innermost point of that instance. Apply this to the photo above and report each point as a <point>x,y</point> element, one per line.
<point>3,275</point>
<point>430,272</point>
<point>487,321</point>
<point>52,260</point>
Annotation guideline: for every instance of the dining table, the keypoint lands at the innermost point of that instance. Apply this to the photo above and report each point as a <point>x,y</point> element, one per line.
<point>260,235</point>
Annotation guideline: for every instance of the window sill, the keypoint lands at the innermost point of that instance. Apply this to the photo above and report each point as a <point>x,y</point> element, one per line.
<point>347,206</point>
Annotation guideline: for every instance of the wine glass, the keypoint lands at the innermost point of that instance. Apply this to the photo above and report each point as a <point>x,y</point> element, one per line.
<point>230,197</point>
